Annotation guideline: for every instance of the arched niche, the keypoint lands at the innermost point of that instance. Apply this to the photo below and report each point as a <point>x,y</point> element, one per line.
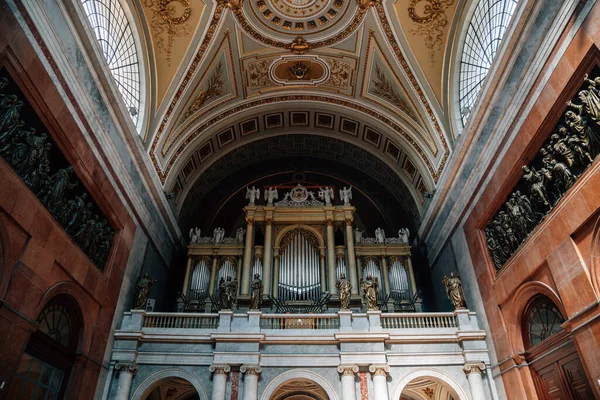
<point>301,376</point>
<point>281,234</point>
<point>163,377</point>
<point>430,378</point>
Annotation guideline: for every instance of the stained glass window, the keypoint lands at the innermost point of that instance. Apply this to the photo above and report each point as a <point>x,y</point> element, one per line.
<point>484,34</point>
<point>116,39</point>
<point>543,319</point>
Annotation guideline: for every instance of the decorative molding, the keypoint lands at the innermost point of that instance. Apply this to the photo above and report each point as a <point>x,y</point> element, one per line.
<point>431,23</point>
<point>166,26</point>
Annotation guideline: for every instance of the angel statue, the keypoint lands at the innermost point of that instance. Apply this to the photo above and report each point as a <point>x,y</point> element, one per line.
<point>380,235</point>
<point>357,235</point>
<point>454,291</point>
<point>370,287</point>
<point>271,195</point>
<point>343,286</point>
<point>194,235</point>
<point>218,234</point>
<point>403,235</point>
<point>326,194</point>
<point>239,235</point>
<point>252,194</point>
<point>346,195</point>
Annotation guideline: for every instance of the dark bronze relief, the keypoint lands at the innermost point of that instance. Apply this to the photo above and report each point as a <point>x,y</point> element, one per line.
<point>43,168</point>
<point>570,149</point>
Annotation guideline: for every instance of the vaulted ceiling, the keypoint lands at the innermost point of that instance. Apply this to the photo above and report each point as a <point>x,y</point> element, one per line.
<point>228,74</point>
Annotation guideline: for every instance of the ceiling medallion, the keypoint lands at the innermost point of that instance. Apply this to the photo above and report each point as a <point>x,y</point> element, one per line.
<point>299,71</point>
<point>300,46</point>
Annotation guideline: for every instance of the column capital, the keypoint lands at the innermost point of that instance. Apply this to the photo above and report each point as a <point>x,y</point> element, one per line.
<point>349,221</point>
<point>268,221</point>
<point>329,221</point>
<point>347,369</point>
<point>379,369</point>
<point>251,369</point>
<point>474,368</point>
<point>220,369</point>
<point>250,220</point>
<point>130,367</point>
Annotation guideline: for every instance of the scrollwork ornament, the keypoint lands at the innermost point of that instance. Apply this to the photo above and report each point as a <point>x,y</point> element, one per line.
<point>347,370</point>
<point>431,22</point>
<point>474,368</point>
<point>166,25</point>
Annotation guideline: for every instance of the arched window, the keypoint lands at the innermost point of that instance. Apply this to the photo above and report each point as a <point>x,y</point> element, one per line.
<point>117,41</point>
<point>542,319</point>
<point>44,369</point>
<point>484,34</point>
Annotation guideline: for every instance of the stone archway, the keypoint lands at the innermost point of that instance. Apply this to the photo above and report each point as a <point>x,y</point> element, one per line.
<point>428,384</point>
<point>179,384</point>
<point>299,385</point>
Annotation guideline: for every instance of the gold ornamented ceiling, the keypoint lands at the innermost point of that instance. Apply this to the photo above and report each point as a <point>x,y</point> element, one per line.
<point>373,68</point>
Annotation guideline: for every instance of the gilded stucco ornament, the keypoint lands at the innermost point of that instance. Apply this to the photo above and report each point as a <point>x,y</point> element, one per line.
<point>213,89</point>
<point>365,4</point>
<point>432,20</point>
<point>167,24</point>
<point>300,46</point>
<point>232,4</point>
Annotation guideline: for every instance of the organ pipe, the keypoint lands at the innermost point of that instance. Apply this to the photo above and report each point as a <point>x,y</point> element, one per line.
<point>299,269</point>
<point>371,267</point>
<point>399,280</point>
<point>200,280</point>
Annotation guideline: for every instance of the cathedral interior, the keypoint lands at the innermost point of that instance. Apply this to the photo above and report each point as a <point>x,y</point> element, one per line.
<point>300,199</point>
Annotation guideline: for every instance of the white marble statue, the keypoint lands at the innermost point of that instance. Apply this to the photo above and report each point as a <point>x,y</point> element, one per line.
<point>218,234</point>
<point>239,235</point>
<point>252,194</point>
<point>194,235</point>
<point>271,195</point>
<point>326,194</point>
<point>403,235</point>
<point>380,235</point>
<point>357,236</point>
<point>346,195</point>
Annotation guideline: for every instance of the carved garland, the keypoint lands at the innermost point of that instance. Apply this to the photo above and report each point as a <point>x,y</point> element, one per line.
<point>571,148</point>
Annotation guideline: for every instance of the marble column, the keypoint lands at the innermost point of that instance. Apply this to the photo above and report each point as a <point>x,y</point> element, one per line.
<point>251,373</point>
<point>247,256</point>
<point>126,372</point>
<point>186,280</point>
<point>379,373</point>
<point>322,269</point>
<point>275,272</point>
<point>359,267</point>
<point>348,385</point>
<point>331,257</point>
<point>474,372</point>
<point>351,257</point>
<point>386,275</point>
<point>411,274</point>
<point>220,372</point>
<point>213,274</point>
<point>267,257</point>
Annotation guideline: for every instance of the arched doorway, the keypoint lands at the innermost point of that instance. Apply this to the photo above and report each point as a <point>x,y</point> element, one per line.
<point>427,388</point>
<point>172,389</point>
<point>46,365</point>
<point>299,389</point>
<point>551,354</point>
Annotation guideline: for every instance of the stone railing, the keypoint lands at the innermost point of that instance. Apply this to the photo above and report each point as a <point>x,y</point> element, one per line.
<point>181,320</point>
<point>300,321</point>
<point>418,321</point>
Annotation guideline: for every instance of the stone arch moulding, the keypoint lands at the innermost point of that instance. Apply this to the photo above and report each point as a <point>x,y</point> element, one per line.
<point>298,373</point>
<point>153,380</point>
<point>518,305</point>
<point>309,228</point>
<point>4,267</point>
<point>595,253</point>
<point>436,375</point>
<point>83,305</point>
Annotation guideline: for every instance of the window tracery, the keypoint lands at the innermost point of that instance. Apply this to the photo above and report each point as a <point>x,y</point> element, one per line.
<point>542,320</point>
<point>486,29</point>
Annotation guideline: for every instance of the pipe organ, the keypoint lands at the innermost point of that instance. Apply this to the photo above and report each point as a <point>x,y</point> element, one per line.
<point>299,259</point>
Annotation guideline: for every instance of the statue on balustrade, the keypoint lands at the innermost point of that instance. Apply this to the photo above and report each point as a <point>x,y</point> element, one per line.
<point>143,287</point>
<point>344,287</point>
<point>357,236</point>
<point>380,235</point>
<point>270,195</point>
<point>346,195</point>
<point>326,194</point>
<point>256,293</point>
<point>239,235</point>
<point>454,291</point>
<point>370,288</point>
<point>218,234</point>
<point>194,235</point>
<point>404,235</point>
<point>228,292</point>
<point>252,194</point>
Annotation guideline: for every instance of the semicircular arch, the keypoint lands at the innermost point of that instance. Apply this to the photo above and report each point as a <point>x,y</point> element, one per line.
<point>435,375</point>
<point>151,382</point>
<point>298,374</point>
<point>309,228</point>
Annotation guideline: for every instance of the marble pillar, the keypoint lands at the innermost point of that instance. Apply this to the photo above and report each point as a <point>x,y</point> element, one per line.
<point>386,274</point>
<point>213,274</point>
<point>220,372</point>
<point>351,257</point>
<point>251,373</point>
<point>267,257</point>
<point>331,257</point>
<point>380,388</point>
<point>474,373</point>
<point>247,256</point>
<point>348,385</point>
<point>275,272</point>
<point>126,372</point>
<point>186,280</point>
